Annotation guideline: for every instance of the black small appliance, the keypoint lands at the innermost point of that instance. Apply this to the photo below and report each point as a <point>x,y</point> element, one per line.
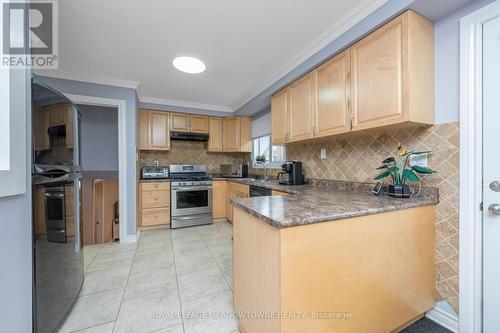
<point>291,174</point>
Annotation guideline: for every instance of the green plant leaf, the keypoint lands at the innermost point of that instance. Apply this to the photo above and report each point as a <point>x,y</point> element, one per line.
<point>388,160</point>
<point>420,152</point>
<point>382,167</point>
<point>424,170</point>
<point>393,169</point>
<point>382,175</point>
<point>410,175</point>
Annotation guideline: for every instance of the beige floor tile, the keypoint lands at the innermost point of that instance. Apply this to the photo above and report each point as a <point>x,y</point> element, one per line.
<point>93,310</point>
<point>184,247</point>
<point>149,262</point>
<point>222,248</point>
<point>219,307</point>
<point>201,283</point>
<point>136,313</point>
<point>195,261</point>
<point>109,279</point>
<point>104,328</point>
<point>98,265</point>
<point>150,282</point>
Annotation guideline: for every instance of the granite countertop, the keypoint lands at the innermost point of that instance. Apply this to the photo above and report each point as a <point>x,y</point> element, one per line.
<point>324,201</point>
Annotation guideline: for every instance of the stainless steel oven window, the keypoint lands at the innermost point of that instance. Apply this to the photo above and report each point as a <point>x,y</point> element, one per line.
<point>191,200</point>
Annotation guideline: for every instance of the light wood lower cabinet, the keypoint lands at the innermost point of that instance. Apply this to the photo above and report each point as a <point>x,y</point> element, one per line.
<point>274,193</point>
<point>154,203</point>
<point>332,268</point>
<point>218,199</point>
<point>235,190</point>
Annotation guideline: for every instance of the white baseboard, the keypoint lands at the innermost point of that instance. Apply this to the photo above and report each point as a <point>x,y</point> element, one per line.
<point>129,239</point>
<point>443,318</point>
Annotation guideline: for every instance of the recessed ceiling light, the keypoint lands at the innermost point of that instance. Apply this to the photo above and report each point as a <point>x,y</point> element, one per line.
<point>189,65</point>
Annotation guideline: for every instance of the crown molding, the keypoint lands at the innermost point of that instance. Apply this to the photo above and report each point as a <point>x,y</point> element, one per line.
<point>184,104</point>
<point>352,18</point>
<point>89,79</point>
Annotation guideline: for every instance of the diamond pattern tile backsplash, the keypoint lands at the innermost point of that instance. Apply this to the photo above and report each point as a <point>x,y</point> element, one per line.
<point>192,152</point>
<point>355,157</point>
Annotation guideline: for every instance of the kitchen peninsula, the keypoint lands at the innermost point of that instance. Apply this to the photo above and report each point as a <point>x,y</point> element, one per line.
<point>334,251</point>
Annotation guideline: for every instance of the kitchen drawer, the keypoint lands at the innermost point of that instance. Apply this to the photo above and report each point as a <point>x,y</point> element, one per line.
<point>155,216</point>
<point>241,188</point>
<point>160,186</point>
<point>155,199</point>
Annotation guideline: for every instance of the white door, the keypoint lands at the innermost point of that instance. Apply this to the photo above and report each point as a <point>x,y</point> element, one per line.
<point>491,176</point>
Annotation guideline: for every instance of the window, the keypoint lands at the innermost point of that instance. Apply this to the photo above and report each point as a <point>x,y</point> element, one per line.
<point>273,155</point>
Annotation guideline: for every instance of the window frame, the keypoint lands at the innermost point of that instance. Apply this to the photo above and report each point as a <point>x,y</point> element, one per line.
<point>271,164</point>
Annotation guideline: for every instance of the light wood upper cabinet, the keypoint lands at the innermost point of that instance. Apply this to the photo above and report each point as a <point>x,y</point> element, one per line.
<point>154,131</point>
<point>393,74</point>
<point>332,96</point>
<point>184,122</point>
<point>159,135</point>
<point>179,122</point>
<point>279,117</point>
<point>143,129</point>
<point>198,124</point>
<point>231,134</point>
<point>301,109</point>
<point>237,134</point>
<point>385,79</point>
<point>215,134</point>
<point>40,133</point>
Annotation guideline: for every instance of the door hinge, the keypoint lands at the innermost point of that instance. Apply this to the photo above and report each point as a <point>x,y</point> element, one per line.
<point>481,206</point>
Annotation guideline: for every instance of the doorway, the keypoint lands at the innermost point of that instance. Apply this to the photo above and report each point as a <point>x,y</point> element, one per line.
<point>100,165</point>
<point>479,171</point>
<point>491,176</point>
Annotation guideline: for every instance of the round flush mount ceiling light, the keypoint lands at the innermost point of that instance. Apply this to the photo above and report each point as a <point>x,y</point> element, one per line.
<point>189,65</point>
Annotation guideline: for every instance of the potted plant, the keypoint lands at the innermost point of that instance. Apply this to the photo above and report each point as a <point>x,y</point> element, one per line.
<point>261,158</point>
<point>397,168</point>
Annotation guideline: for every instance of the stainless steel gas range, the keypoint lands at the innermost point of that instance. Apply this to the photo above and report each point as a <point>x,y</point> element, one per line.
<point>191,196</point>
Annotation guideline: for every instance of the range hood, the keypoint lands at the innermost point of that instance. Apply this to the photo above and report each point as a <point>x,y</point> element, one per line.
<point>188,136</point>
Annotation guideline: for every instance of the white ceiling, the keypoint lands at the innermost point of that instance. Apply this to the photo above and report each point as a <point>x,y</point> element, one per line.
<point>246,44</point>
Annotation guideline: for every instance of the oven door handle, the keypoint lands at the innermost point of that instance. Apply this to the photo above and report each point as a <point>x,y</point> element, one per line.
<point>191,188</point>
<point>185,217</point>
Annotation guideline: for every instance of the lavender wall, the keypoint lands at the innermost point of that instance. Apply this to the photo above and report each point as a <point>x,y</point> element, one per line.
<point>16,234</point>
<point>99,138</point>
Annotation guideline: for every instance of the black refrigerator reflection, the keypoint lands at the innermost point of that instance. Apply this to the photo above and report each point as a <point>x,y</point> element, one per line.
<point>56,177</point>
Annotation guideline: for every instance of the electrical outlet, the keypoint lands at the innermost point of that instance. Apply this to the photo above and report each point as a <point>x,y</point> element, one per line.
<point>322,154</point>
<point>156,163</point>
<point>420,160</point>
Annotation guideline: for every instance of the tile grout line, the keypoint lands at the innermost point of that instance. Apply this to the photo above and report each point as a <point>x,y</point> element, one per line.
<point>216,263</point>
<point>89,327</point>
<point>124,289</point>
<point>177,282</point>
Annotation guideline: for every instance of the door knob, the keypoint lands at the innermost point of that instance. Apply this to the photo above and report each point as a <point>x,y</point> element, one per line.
<point>495,186</point>
<point>494,209</point>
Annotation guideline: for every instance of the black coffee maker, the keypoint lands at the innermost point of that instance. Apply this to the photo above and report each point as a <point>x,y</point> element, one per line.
<point>291,174</point>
